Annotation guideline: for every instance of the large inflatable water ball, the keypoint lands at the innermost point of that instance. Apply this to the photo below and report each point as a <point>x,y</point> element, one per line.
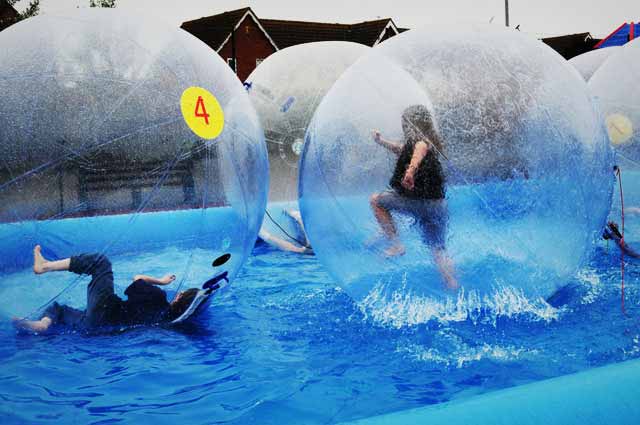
<point>286,89</point>
<point>510,191</point>
<point>588,63</point>
<point>616,87</point>
<point>119,135</point>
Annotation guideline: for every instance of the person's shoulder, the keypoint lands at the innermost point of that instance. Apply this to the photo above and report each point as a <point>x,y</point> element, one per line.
<point>139,286</point>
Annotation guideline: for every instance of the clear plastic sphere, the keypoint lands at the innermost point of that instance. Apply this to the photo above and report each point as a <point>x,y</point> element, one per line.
<point>588,63</point>
<point>524,157</point>
<point>104,148</point>
<point>286,89</point>
<point>616,85</point>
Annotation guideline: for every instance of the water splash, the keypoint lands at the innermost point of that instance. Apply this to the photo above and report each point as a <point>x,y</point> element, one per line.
<point>465,354</point>
<point>402,308</point>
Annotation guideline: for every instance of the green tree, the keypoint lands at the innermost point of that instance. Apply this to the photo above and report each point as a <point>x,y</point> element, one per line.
<point>102,3</point>
<point>32,10</point>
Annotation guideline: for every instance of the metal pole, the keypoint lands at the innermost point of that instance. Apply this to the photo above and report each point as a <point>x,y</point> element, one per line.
<point>506,12</point>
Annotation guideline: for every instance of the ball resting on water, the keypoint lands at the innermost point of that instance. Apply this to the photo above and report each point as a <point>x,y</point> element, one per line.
<point>616,86</point>
<point>286,89</point>
<point>121,135</point>
<point>523,151</point>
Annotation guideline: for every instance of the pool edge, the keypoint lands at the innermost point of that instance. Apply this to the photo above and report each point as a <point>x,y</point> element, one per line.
<point>608,394</point>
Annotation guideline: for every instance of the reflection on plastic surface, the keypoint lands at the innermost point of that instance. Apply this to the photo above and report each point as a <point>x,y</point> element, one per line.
<point>91,126</point>
<point>525,158</point>
<point>286,89</point>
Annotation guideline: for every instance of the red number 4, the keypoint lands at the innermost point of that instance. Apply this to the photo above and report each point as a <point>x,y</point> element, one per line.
<point>201,111</point>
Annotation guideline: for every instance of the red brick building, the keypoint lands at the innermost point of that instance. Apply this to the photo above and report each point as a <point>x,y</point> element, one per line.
<point>8,15</point>
<point>244,40</point>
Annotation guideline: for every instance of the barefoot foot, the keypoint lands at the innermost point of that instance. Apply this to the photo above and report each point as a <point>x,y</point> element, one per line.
<point>41,325</point>
<point>39,262</point>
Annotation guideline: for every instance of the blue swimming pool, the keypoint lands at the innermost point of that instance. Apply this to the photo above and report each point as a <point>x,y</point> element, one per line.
<point>283,345</point>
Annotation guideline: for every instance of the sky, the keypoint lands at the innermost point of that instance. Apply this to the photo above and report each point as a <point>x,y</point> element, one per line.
<point>541,18</point>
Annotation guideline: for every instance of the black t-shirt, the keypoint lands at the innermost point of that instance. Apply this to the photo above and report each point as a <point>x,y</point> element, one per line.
<point>429,178</point>
<point>145,302</point>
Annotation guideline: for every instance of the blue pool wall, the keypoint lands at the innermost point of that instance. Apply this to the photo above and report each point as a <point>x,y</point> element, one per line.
<point>609,394</point>
<point>218,230</point>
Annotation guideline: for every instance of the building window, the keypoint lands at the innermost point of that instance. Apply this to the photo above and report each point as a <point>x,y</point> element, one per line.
<point>259,61</point>
<point>232,64</point>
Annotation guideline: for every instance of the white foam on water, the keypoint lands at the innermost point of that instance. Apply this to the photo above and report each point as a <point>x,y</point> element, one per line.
<point>590,279</point>
<point>464,354</point>
<point>401,308</point>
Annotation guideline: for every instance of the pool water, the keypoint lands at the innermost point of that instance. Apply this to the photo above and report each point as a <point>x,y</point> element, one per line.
<point>283,345</point>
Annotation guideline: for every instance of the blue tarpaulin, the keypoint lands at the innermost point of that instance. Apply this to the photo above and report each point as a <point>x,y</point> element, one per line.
<point>625,33</point>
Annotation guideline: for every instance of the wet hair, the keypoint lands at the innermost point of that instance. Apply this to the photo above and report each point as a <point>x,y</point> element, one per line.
<point>417,124</point>
<point>178,307</point>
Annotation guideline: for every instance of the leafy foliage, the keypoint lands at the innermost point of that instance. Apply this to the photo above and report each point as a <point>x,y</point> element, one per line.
<point>102,3</point>
<point>32,10</point>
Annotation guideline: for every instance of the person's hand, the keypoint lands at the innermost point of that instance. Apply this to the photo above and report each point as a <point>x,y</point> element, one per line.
<point>168,278</point>
<point>377,137</point>
<point>408,180</point>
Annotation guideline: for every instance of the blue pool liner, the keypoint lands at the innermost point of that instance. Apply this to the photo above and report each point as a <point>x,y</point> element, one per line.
<point>604,395</point>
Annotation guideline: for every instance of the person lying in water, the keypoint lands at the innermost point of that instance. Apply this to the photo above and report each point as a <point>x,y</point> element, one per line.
<point>302,245</point>
<point>417,189</point>
<point>145,304</point>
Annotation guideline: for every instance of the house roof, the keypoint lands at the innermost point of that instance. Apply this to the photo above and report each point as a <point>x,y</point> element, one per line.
<point>621,36</point>
<point>214,30</point>
<point>217,29</point>
<point>8,15</point>
<point>290,33</point>
<point>371,32</point>
<point>571,45</point>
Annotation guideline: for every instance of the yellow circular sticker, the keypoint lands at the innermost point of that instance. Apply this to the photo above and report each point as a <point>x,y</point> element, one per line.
<point>620,128</point>
<point>202,112</point>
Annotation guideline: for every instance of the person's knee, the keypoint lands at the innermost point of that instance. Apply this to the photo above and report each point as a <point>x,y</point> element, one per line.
<point>374,200</point>
<point>101,263</point>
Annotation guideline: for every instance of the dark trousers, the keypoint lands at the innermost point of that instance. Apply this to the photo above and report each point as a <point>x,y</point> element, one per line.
<point>100,294</point>
<point>100,290</point>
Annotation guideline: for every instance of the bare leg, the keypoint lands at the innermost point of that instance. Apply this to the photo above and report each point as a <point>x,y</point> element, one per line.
<point>446,268</point>
<point>41,325</point>
<point>385,220</point>
<point>42,265</point>
<point>295,214</point>
<point>282,244</point>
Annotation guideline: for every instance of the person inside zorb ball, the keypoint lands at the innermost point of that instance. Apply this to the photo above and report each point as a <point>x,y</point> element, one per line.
<point>496,173</point>
<point>618,93</point>
<point>417,188</point>
<point>132,142</point>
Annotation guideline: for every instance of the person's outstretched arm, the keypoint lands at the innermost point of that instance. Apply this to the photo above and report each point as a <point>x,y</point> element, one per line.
<point>164,280</point>
<point>394,147</point>
<point>419,153</point>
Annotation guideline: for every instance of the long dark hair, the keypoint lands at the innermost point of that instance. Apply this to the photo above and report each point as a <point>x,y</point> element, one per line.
<point>178,307</point>
<point>417,125</point>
